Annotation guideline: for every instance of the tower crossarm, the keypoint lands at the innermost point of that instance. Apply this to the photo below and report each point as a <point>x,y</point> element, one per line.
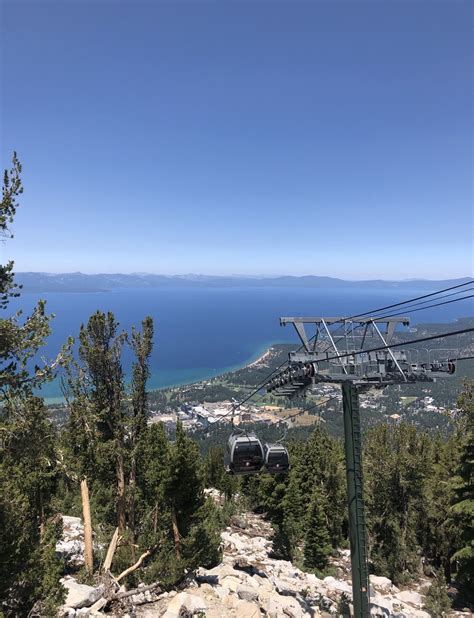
<point>350,361</point>
<point>323,326</point>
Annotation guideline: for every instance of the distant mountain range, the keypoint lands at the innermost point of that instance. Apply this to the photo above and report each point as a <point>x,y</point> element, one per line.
<point>79,282</point>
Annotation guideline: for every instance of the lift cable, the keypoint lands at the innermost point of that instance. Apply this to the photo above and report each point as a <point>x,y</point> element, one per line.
<point>348,354</point>
<point>446,302</point>
<point>313,407</point>
<point>407,310</point>
<point>355,327</point>
<point>406,302</point>
<point>286,418</point>
<point>360,315</point>
<point>360,352</point>
<point>411,302</point>
<point>380,348</point>
<point>403,343</point>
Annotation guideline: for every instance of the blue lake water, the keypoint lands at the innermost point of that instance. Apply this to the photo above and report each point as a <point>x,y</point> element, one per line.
<point>201,332</point>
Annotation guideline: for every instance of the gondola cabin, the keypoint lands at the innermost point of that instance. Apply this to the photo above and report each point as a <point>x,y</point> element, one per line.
<point>277,460</point>
<point>244,454</point>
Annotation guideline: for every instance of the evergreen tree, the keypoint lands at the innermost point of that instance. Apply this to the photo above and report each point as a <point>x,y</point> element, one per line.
<point>463,500</point>
<point>291,529</point>
<point>184,486</point>
<point>317,546</point>
<point>202,545</point>
<point>100,352</point>
<point>215,474</point>
<point>152,471</point>
<point>12,188</point>
<point>321,463</point>
<point>176,519</point>
<point>437,531</point>
<point>398,462</point>
<point>29,570</point>
<point>48,570</point>
<point>437,600</point>
<point>142,344</point>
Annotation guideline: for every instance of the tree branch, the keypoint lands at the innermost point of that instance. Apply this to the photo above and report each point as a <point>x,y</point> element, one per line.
<point>135,566</point>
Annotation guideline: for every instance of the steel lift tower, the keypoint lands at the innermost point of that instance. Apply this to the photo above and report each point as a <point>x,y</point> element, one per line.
<point>359,358</point>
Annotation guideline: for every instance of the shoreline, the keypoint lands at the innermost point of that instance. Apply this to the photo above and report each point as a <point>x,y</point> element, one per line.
<point>262,356</point>
<point>260,359</point>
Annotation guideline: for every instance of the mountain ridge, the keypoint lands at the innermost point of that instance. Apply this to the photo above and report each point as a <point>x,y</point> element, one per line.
<point>80,282</point>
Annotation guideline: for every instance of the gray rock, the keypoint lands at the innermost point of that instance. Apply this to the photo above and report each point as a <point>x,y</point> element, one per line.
<point>413,598</point>
<point>380,584</point>
<point>278,606</point>
<point>221,592</point>
<point>185,601</point>
<point>71,547</point>
<point>80,595</point>
<point>380,606</point>
<point>247,593</point>
<point>244,609</point>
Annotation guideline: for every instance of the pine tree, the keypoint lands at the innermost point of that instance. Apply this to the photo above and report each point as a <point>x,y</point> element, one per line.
<point>437,600</point>
<point>100,351</point>
<point>152,471</point>
<point>437,530</point>
<point>202,546</point>
<point>184,486</point>
<point>12,188</point>
<point>175,517</point>
<point>463,500</point>
<point>317,546</point>
<point>48,570</point>
<point>395,495</point>
<point>142,344</point>
<point>28,478</point>
<point>28,472</point>
<point>291,529</point>
<point>321,462</point>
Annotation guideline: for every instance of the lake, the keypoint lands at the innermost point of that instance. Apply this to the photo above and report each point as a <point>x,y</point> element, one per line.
<point>202,332</point>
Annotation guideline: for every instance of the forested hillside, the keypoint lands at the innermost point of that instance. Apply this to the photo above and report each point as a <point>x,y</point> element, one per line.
<point>141,493</point>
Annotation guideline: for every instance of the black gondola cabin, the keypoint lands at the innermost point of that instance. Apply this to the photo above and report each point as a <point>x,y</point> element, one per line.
<point>244,454</point>
<point>276,459</point>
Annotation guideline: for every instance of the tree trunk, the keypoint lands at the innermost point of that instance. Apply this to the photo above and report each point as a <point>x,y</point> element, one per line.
<point>86,513</point>
<point>42,524</point>
<point>177,540</point>
<point>111,551</point>
<point>155,518</point>
<point>121,501</point>
<point>131,506</point>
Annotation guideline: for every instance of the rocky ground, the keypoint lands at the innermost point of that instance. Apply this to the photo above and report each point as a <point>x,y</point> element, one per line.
<point>248,583</point>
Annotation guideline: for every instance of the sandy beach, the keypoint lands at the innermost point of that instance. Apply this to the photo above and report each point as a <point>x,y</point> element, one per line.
<point>261,359</point>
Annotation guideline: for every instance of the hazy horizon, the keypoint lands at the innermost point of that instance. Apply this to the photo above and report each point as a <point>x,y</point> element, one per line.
<point>236,275</point>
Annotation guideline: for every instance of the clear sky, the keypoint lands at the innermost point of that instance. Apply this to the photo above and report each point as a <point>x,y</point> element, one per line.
<point>329,138</point>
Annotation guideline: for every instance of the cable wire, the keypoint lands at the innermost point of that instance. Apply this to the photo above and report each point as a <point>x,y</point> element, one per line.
<point>410,301</point>
<point>407,310</point>
<point>403,343</point>
<point>446,302</point>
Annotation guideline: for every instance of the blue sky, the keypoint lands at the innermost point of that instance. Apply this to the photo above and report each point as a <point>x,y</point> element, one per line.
<point>330,138</point>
